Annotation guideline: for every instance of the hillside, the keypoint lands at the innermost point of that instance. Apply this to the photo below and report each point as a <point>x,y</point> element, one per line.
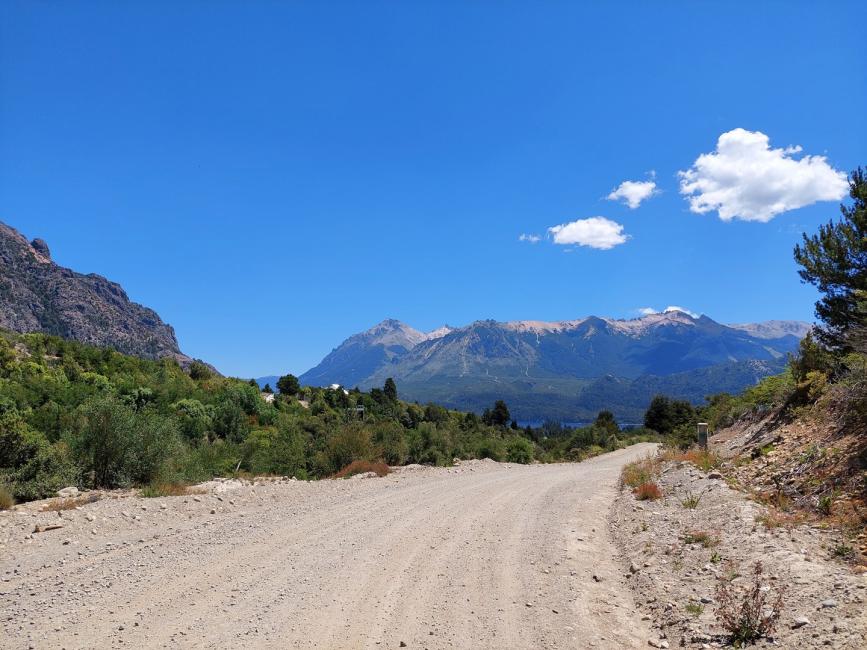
<point>37,295</point>
<point>568,369</point>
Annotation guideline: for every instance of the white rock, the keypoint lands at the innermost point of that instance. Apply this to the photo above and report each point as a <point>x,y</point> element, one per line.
<point>68,492</point>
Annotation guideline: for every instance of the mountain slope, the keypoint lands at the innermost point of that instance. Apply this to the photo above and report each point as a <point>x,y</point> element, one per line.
<point>566,369</point>
<point>37,295</point>
<point>361,355</point>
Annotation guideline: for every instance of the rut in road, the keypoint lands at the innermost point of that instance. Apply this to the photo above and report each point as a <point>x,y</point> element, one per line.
<point>483,555</point>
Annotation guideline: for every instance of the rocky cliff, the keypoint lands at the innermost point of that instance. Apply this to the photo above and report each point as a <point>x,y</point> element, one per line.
<point>37,295</point>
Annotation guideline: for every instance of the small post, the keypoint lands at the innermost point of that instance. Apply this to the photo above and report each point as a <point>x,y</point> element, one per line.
<point>702,434</point>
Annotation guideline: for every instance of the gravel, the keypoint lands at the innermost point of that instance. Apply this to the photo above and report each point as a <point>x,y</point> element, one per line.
<point>422,558</point>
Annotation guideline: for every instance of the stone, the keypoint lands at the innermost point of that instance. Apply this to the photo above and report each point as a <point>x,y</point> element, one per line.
<point>714,475</point>
<point>829,603</point>
<point>801,621</point>
<point>68,492</point>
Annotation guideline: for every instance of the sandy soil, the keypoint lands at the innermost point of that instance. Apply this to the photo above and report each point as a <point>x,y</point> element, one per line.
<point>481,555</point>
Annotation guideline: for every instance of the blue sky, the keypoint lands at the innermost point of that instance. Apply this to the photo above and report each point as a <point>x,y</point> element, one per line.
<point>272,177</point>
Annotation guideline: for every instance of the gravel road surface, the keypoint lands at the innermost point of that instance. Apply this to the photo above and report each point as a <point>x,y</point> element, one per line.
<point>481,555</point>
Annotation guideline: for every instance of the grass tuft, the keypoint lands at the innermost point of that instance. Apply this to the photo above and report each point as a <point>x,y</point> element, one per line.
<point>691,501</point>
<point>6,499</point>
<point>361,467</point>
<point>169,489</point>
<point>702,537</point>
<point>69,504</point>
<point>640,472</point>
<point>648,491</point>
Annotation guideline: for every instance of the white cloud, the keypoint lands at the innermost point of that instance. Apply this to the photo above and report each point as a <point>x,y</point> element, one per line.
<point>595,232</point>
<point>632,193</point>
<point>672,308</point>
<point>649,311</point>
<point>746,179</point>
<point>533,239</point>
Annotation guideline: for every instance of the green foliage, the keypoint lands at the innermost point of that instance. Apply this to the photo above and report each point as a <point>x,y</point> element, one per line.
<point>519,450</point>
<point>71,414</point>
<point>835,261</point>
<point>288,385</point>
<point>115,446</point>
<point>6,498</point>
<point>390,390</point>
<point>499,416</point>
<point>199,371</point>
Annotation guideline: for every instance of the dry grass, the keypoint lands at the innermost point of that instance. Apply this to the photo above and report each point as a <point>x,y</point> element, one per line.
<point>362,467</point>
<point>70,503</point>
<point>169,489</point>
<point>702,458</point>
<point>706,539</point>
<point>641,472</point>
<point>774,518</point>
<point>647,491</point>
<point>6,499</point>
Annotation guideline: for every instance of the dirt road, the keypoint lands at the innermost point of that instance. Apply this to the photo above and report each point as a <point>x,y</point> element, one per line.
<point>482,555</point>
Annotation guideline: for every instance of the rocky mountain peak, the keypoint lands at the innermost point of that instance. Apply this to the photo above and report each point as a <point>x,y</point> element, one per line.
<point>37,295</point>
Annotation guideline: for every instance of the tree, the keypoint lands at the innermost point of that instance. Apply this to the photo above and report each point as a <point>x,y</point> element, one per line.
<point>835,262</point>
<point>199,370</point>
<point>390,390</point>
<point>499,416</point>
<point>267,389</point>
<point>288,385</point>
<point>658,414</point>
<point>606,422</point>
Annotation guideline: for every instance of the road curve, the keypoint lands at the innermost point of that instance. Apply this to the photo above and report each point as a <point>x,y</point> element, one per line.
<point>482,555</point>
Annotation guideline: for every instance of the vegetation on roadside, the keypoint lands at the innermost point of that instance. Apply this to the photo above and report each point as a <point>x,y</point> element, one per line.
<point>823,386</point>
<point>363,467</point>
<point>72,414</point>
<point>750,612</point>
<point>6,498</point>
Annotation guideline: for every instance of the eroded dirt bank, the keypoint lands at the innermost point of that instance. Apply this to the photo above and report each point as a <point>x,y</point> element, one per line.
<point>481,555</point>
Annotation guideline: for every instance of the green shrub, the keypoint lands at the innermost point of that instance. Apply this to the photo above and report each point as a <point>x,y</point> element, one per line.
<point>6,499</point>
<point>350,442</point>
<point>492,448</point>
<point>390,441</point>
<point>519,450</point>
<point>115,446</point>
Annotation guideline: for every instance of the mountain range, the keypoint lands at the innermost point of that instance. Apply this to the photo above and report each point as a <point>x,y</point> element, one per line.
<point>567,370</point>
<point>37,295</point>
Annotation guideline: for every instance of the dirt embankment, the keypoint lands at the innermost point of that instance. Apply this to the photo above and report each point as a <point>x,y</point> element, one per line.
<point>676,550</point>
<point>482,555</point>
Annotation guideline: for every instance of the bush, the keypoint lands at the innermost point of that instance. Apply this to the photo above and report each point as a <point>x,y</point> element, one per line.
<point>32,467</point>
<point>362,467</point>
<point>519,450</point>
<point>6,499</point>
<point>115,446</point>
<point>640,472</point>
<point>492,448</point>
<point>428,445</point>
<point>752,612</point>
<point>390,442</point>
<point>648,491</point>
<point>350,442</point>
